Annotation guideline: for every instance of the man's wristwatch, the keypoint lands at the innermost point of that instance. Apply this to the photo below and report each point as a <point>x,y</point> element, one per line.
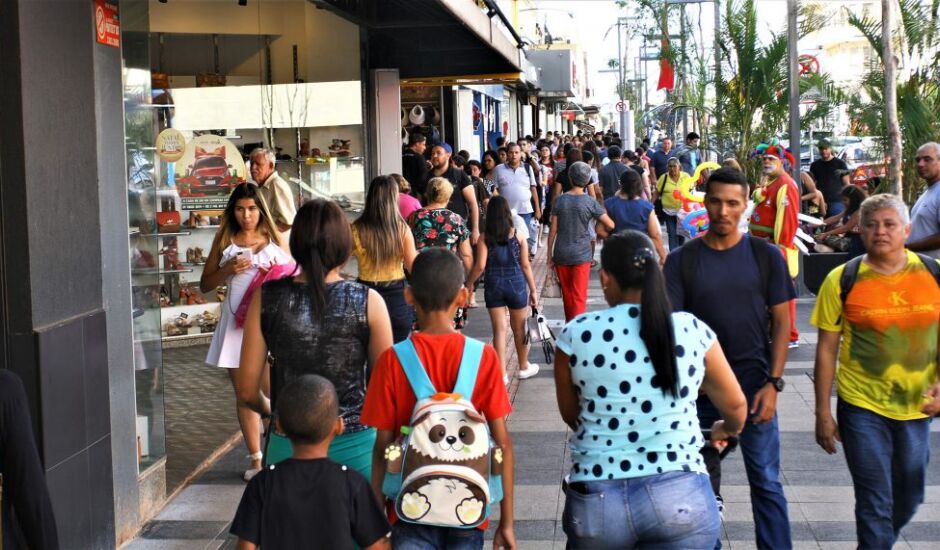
<point>778,383</point>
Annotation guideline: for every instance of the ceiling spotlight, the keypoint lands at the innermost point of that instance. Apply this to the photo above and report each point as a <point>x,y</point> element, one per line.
<point>242,2</point>
<point>163,1</point>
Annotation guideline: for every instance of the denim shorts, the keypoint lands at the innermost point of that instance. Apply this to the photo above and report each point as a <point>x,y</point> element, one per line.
<point>408,536</point>
<point>503,291</point>
<point>670,510</point>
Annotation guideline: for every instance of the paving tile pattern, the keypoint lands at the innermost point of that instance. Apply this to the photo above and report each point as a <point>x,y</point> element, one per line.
<point>818,486</point>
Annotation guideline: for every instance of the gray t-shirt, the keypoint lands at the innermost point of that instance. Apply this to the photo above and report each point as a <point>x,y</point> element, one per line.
<point>573,241</point>
<point>925,217</point>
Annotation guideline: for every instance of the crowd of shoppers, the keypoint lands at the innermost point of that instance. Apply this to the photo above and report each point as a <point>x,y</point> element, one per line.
<point>653,387</point>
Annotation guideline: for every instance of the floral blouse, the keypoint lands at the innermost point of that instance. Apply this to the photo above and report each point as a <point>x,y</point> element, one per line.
<point>438,228</point>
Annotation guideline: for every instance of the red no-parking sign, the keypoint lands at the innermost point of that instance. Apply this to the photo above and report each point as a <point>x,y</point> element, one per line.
<point>107,24</point>
<point>621,106</point>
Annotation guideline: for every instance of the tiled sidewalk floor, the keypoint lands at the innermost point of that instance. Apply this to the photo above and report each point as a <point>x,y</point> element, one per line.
<point>817,485</point>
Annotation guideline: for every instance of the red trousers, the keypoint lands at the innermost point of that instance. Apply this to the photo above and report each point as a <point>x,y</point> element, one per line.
<point>573,280</point>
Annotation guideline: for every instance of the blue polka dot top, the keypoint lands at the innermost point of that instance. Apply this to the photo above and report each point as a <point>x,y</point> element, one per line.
<point>627,426</point>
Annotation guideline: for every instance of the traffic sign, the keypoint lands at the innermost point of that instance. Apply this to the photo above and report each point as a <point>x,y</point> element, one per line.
<point>621,106</point>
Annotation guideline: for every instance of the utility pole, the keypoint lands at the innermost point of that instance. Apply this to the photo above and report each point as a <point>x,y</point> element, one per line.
<point>891,99</point>
<point>717,5</point>
<point>794,78</point>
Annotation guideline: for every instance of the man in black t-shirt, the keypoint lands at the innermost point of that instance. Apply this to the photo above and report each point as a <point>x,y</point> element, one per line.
<point>741,290</point>
<point>463,195</point>
<point>414,167</point>
<point>309,501</point>
<point>831,175</point>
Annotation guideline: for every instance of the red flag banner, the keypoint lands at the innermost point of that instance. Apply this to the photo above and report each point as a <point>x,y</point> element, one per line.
<point>667,75</point>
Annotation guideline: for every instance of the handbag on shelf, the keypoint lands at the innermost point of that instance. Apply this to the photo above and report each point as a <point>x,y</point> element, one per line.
<point>168,222</point>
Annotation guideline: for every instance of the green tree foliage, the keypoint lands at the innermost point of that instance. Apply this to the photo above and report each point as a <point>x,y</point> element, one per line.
<point>918,90</point>
<point>753,93</point>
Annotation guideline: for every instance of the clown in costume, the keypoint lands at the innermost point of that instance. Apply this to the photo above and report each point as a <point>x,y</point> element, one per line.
<point>777,205</point>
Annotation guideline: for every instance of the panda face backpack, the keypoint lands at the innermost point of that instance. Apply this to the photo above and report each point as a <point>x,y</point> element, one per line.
<point>445,470</point>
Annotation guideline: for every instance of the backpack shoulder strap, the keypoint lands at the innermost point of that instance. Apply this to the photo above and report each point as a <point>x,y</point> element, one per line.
<point>414,370</point>
<point>849,274</point>
<point>762,255</point>
<point>688,261</point>
<point>932,266</point>
<point>469,367</point>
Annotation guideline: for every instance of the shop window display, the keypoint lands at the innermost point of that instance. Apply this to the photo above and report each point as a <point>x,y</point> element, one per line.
<point>205,84</point>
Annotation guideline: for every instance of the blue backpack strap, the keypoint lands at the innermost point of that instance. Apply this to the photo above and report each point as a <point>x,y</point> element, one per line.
<point>469,367</point>
<point>414,370</point>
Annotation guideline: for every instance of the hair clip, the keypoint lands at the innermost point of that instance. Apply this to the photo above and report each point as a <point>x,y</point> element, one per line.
<point>641,256</point>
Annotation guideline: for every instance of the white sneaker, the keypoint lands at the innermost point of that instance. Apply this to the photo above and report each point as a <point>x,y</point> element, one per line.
<point>250,473</point>
<point>506,380</point>
<point>529,372</point>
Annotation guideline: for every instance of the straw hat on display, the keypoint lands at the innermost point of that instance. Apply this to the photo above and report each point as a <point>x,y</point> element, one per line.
<point>417,115</point>
<point>435,116</point>
<point>404,117</point>
<point>404,136</point>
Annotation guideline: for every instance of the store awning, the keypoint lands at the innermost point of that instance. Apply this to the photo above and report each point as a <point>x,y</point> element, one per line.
<point>431,38</point>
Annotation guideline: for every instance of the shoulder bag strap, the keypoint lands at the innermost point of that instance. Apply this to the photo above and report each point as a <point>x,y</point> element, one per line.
<point>414,370</point>
<point>469,367</point>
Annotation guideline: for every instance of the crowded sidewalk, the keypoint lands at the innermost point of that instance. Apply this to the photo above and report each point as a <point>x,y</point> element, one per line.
<point>818,487</point>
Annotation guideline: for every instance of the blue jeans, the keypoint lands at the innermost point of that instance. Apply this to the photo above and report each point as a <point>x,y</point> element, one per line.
<point>671,510</point>
<point>675,240</point>
<point>532,236</point>
<point>408,536</point>
<point>888,462</point>
<point>760,448</point>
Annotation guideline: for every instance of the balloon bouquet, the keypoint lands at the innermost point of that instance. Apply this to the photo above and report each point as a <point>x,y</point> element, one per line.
<point>692,217</point>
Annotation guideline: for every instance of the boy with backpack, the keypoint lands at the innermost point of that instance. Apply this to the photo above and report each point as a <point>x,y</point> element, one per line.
<point>442,454</point>
<point>309,501</point>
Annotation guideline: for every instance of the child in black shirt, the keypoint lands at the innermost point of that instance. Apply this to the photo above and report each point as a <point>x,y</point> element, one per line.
<point>309,501</point>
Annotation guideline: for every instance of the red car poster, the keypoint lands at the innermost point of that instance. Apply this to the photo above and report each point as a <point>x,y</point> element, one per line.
<point>210,168</point>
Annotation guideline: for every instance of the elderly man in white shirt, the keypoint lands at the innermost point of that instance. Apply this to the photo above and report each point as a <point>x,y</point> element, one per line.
<point>517,182</point>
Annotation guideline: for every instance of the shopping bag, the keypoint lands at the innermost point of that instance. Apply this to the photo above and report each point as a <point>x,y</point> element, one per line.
<point>551,288</point>
<point>533,333</point>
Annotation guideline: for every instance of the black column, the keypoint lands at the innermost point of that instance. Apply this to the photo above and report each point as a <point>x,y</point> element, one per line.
<point>54,318</point>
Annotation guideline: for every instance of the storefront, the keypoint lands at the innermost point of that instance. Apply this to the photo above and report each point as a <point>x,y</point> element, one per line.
<point>124,127</point>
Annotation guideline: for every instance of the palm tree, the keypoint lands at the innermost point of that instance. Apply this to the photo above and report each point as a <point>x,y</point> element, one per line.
<point>754,98</point>
<point>916,41</point>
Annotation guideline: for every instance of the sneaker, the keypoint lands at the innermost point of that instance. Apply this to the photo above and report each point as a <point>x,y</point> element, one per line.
<point>794,344</point>
<point>506,380</point>
<point>721,507</point>
<point>529,372</point>
<point>250,473</point>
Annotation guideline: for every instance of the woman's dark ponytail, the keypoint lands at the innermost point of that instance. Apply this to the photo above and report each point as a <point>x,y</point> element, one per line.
<point>656,323</point>
<point>629,258</point>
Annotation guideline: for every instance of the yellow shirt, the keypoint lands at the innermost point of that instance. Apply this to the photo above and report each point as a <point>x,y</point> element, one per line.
<point>665,186</point>
<point>888,354</point>
<point>368,271</point>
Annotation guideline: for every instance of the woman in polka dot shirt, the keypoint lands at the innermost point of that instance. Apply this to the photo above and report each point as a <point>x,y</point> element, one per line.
<point>626,380</point>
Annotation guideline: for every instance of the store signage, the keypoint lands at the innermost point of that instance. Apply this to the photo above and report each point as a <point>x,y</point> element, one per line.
<point>171,144</point>
<point>107,24</point>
